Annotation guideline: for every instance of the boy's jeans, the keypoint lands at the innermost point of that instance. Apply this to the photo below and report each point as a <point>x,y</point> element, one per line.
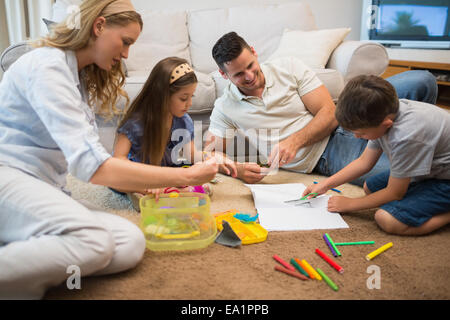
<point>343,147</point>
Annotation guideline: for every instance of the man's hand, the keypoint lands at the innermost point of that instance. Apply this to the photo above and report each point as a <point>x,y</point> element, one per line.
<point>226,165</point>
<point>284,152</point>
<point>249,172</point>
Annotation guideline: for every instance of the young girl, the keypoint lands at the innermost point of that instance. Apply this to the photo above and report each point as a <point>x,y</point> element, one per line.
<point>47,129</point>
<point>156,126</point>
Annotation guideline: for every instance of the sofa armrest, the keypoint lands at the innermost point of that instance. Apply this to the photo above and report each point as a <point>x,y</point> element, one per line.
<point>353,58</point>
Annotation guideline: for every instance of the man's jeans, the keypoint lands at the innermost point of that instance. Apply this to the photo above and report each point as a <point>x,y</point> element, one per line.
<point>343,147</point>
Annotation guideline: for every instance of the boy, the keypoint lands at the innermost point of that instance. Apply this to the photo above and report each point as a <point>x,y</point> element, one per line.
<point>414,196</point>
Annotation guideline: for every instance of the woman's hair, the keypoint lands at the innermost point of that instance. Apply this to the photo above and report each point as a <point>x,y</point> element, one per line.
<point>151,107</point>
<point>104,87</point>
<point>365,102</point>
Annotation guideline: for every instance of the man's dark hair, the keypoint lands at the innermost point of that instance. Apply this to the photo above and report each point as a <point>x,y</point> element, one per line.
<point>365,102</point>
<point>228,48</point>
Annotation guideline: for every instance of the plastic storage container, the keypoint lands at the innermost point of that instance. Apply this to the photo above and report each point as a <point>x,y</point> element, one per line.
<point>178,221</point>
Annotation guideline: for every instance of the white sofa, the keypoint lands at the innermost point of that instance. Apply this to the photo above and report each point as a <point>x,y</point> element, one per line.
<point>191,34</point>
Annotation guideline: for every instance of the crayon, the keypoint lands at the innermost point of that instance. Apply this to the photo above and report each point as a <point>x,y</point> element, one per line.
<point>329,245</point>
<point>332,244</point>
<point>310,270</point>
<point>297,266</point>
<point>335,190</point>
<point>330,262</point>
<point>373,254</point>
<point>353,243</point>
<point>284,263</point>
<point>328,280</point>
<point>291,273</point>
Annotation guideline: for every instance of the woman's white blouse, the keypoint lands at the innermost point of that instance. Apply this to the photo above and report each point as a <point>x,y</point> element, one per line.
<point>46,126</point>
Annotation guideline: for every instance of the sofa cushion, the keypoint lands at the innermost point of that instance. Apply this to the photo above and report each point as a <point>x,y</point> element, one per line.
<point>202,102</point>
<point>332,80</point>
<point>353,58</point>
<point>263,34</point>
<point>164,35</point>
<point>312,47</point>
<point>204,95</point>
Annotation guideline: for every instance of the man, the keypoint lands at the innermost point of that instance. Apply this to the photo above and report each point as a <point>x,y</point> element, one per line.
<point>285,96</point>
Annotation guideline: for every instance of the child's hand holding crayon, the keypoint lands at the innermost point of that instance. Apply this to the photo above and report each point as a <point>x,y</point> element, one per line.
<point>319,188</point>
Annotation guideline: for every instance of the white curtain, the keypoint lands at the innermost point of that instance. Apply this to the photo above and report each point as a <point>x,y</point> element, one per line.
<point>24,18</point>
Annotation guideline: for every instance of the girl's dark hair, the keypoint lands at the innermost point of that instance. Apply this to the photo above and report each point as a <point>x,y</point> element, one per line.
<point>151,106</point>
<point>365,102</point>
<point>228,48</point>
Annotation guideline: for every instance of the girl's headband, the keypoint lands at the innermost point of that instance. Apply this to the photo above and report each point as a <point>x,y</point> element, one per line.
<point>118,6</point>
<point>180,71</point>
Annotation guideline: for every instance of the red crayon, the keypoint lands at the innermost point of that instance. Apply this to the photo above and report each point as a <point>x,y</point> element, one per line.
<point>284,263</point>
<point>331,262</point>
<point>291,273</point>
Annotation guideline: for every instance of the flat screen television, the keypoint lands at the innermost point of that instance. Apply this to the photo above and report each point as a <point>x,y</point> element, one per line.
<point>409,23</point>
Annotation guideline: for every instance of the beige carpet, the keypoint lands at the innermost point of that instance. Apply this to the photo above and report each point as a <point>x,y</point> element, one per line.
<point>415,268</point>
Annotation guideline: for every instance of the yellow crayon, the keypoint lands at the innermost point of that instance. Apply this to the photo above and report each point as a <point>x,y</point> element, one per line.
<point>311,270</point>
<point>373,254</point>
<point>305,267</point>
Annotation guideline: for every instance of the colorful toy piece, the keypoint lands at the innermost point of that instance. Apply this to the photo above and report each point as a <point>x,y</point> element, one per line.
<point>250,232</point>
<point>246,218</point>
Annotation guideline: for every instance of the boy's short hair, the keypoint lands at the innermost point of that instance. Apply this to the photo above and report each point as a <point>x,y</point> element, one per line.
<point>365,102</point>
<point>228,48</point>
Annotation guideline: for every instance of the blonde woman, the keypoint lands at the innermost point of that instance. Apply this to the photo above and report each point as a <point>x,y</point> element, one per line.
<point>47,129</point>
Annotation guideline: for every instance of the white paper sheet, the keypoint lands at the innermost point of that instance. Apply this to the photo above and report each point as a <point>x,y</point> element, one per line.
<point>276,215</point>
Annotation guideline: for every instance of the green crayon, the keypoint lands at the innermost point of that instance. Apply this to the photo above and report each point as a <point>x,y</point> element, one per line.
<point>299,268</point>
<point>327,280</point>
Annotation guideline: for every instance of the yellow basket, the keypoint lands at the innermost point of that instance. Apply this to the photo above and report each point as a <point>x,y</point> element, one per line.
<point>178,221</point>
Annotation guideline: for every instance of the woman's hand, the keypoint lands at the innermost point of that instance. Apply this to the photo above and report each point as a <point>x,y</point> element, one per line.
<point>201,172</point>
<point>155,192</point>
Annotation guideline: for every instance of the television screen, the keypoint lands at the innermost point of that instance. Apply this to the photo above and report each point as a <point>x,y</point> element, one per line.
<point>412,20</point>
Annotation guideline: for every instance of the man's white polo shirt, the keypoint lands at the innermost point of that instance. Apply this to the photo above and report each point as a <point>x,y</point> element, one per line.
<point>276,116</point>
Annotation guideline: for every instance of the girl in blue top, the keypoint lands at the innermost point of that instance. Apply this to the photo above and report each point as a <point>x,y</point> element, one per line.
<point>156,127</point>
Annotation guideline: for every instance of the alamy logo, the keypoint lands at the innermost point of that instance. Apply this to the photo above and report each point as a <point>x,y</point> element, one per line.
<point>260,145</point>
<point>374,281</point>
<point>372,17</point>
<point>74,280</point>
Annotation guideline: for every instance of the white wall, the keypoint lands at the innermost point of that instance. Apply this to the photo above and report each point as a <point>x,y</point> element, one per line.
<point>328,13</point>
<point>4,39</point>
